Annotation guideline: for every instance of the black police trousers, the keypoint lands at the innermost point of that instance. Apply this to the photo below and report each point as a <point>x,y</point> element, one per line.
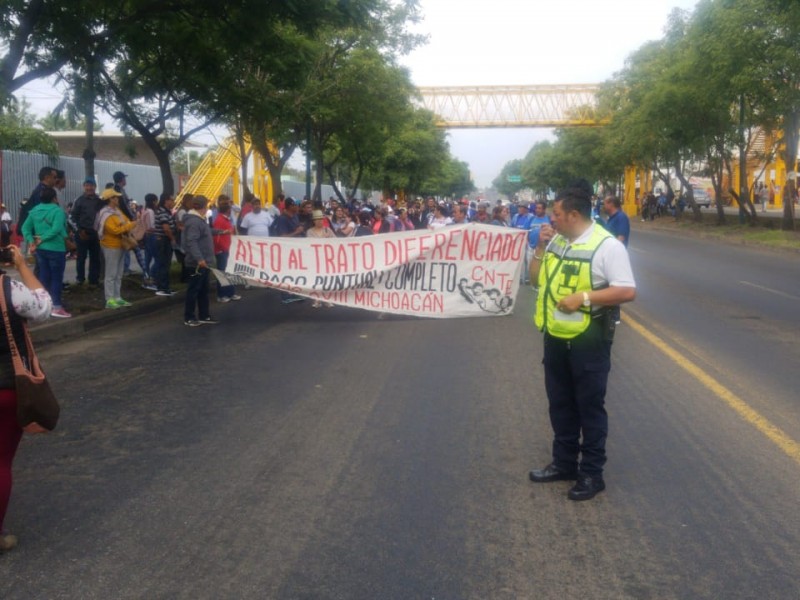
<point>575,375</point>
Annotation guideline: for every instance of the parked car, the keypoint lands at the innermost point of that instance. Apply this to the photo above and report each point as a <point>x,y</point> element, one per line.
<point>701,198</point>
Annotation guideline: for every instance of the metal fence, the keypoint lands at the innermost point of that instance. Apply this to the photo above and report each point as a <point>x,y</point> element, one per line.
<point>20,175</point>
<point>297,190</point>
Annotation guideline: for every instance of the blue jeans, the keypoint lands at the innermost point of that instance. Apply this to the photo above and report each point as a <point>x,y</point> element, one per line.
<point>224,291</point>
<point>51,272</point>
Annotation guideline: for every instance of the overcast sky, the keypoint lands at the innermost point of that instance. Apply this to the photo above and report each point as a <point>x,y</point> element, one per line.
<point>526,42</point>
<point>474,42</point>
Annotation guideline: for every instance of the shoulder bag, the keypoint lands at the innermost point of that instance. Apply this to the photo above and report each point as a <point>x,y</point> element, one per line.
<point>36,403</point>
<point>137,233</point>
<point>128,242</point>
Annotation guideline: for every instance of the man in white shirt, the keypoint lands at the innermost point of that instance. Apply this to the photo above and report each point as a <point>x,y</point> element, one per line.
<point>257,221</point>
<point>583,273</point>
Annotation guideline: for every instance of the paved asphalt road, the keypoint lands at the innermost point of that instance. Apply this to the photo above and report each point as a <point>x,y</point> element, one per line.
<point>314,454</point>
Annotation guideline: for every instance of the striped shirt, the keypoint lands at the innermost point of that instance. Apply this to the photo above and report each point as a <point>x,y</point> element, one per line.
<point>164,217</point>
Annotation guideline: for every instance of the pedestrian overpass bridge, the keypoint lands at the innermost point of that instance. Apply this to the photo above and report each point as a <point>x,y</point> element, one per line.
<point>455,107</point>
<point>463,107</point>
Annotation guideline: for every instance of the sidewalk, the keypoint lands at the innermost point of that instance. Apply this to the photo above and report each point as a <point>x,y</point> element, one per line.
<point>55,329</point>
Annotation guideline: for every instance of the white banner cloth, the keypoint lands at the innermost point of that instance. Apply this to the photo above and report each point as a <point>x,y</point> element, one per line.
<point>470,270</point>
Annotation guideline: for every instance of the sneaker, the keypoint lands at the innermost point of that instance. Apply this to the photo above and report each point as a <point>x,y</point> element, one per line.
<point>165,293</point>
<point>236,297</point>
<point>192,323</point>
<point>223,299</point>
<point>328,305</point>
<point>7,542</point>
<point>316,304</point>
<point>112,304</point>
<point>121,302</point>
<point>208,321</point>
<point>60,313</point>
<point>149,286</point>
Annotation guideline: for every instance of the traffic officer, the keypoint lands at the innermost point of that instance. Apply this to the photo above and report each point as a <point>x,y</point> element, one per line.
<point>582,270</point>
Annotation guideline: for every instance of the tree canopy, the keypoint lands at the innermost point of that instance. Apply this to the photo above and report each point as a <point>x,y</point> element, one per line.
<point>321,76</point>
<point>720,88</point>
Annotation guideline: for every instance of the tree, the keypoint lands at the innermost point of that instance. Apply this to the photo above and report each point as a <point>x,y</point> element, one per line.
<point>184,161</point>
<point>18,133</point>
<point>453,180</point>
<point>656,118</point>
<point>68,116</point>
<point>30,32</point>
<point>509,182</point>
<point>372,109</point>
<point>315,83</point>
<point>416,153</point>
<point>356,94</point>
<point>766,64</point>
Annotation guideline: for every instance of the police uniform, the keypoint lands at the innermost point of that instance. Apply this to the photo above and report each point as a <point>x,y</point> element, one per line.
<point>577,346</point>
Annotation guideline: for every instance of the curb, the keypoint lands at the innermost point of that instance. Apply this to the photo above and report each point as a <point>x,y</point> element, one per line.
<point>699,235</point>
<point>55,329</point>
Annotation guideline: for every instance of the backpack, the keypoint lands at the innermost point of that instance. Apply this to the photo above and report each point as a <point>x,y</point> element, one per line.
<point>24,209</point>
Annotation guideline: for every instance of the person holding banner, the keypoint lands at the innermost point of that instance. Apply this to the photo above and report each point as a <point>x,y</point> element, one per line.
<point>288,223</point>
<point>583,272</point>
<point>320,230</point>
<point>198,246</point>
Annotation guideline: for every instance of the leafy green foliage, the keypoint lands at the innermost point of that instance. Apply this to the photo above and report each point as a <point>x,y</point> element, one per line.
<point>17,132</point>
<point>504,183</point>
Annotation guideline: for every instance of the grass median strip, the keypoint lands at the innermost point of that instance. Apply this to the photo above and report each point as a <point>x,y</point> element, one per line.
<point>777,436</point>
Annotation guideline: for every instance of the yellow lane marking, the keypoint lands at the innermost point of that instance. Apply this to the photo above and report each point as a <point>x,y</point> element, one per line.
<point>775,434</point>
<point>770,290</point>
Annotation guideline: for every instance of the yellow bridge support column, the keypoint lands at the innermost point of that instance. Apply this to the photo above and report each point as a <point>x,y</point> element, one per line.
<point>780,181</point>
<point>634,176</point>
<point>262,183</point>
<point>629,199</point>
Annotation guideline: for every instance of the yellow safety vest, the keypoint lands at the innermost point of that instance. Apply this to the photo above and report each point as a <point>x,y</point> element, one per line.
<point>566,269</point>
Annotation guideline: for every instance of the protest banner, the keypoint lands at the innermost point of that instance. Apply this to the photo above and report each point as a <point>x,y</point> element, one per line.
<point>470,270</point>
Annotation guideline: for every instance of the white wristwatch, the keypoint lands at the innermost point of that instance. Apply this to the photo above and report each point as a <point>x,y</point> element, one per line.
<point>586,302</point>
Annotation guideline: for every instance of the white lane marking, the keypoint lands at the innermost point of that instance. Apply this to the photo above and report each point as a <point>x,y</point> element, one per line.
<point>770,290</point>
<point>638,250</point>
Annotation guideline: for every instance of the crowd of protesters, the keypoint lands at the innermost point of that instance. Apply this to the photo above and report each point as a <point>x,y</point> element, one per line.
<point>197,233</point>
